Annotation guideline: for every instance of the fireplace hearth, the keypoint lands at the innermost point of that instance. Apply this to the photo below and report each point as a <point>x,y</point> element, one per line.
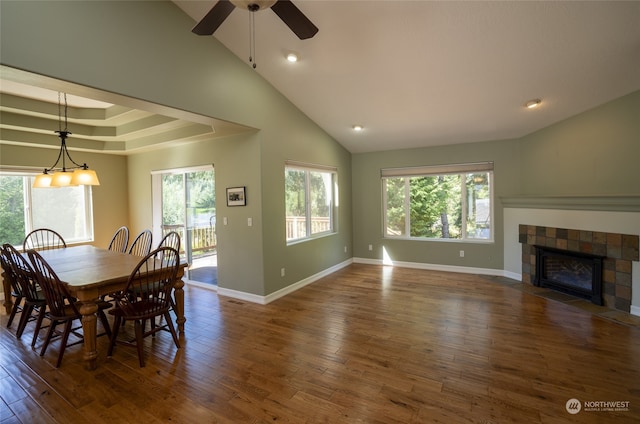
<point>575,273</point>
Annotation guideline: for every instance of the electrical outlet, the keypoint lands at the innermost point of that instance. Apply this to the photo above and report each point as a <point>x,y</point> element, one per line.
<point>371,247</point>
<point>462,253</point>
<point>282,272</point>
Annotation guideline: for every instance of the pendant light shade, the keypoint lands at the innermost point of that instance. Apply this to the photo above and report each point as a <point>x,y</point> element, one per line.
<point>61,179</point>
<point>65,176</point>
<point>43,180</point>
<point>84,177</point>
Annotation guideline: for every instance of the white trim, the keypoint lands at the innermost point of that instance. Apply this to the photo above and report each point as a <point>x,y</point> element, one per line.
<point>436,267</point>
<point>457,168</point>
<point>635,310</point>
<point>186,169</point>
<point>263,300</point>
<point>310,166</point>
<point>200,284</point>
<point>512,275</point>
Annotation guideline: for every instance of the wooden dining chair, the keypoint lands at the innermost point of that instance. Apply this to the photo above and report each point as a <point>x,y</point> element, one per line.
<point>146,296</point>
<point>43,239</point>
<point>22,278</point>
<point>171,239</point>
<point>63,308</point>
<point>141,246</point>
<point>120,240</point>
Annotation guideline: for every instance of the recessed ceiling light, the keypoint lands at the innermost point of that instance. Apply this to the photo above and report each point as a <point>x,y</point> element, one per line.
<point>358,127</point>
<point>532,104</point>
<point>292,57</point>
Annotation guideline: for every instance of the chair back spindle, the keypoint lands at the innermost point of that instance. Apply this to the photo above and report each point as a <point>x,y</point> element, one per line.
<point>43,239</point>
<point>58,298</point>
<point>141,246</point>
<point>120,240</point>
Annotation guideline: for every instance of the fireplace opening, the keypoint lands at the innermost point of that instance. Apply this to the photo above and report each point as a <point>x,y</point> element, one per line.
<point>575,273</point>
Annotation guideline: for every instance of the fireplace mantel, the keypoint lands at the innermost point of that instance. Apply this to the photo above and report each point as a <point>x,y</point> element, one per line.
<point>616,203</point>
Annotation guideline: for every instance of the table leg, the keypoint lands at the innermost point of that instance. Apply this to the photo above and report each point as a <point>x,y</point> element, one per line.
<point>89,329</point>
<point>8,299</point>
<point>178,293</point>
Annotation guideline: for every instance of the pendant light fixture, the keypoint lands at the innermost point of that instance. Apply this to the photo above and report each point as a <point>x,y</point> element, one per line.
<point>65,176</point>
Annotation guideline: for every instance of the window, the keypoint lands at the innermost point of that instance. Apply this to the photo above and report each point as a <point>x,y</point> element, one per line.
<point>309,194</point>
<point>67,210</point>
<point>439,202</point>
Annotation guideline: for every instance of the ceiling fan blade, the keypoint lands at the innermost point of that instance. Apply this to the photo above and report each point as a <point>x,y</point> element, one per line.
<point>295,19</point>
<point>212,20</point>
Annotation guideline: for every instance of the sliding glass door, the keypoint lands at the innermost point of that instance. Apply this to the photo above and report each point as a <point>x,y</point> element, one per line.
<point>184,201</point>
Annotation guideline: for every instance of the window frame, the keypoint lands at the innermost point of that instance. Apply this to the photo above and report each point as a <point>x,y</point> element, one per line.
<point>333,185</point>
<point>433,171</point>
<point>27,192</point>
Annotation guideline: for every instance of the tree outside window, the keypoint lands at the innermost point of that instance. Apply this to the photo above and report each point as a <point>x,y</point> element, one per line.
<point>439,206</point>
<point>308,202</point>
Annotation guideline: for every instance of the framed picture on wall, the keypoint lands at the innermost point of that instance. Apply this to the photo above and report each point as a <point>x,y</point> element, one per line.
<point>236,196</point>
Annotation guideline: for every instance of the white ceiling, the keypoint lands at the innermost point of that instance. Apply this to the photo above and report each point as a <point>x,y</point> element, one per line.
<point>426,73</point>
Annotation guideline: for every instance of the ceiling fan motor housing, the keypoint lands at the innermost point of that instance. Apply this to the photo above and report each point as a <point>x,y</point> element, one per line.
<point>253,5</point>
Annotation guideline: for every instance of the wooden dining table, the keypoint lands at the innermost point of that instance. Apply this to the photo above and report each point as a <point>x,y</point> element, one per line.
<point>92,272</point>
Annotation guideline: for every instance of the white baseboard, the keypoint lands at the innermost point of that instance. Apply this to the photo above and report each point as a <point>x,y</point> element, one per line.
<point>263,300</point>
<point>437,267</point>
<point>635,310</point>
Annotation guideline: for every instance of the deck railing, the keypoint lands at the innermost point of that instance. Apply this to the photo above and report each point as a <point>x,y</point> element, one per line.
<point>203,239</point>
<point>296,226</point>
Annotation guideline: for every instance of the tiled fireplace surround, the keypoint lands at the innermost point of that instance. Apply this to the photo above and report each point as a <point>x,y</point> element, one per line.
<point>620,250</point>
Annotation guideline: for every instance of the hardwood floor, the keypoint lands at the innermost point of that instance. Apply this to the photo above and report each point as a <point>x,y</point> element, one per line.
<point>367,344</point>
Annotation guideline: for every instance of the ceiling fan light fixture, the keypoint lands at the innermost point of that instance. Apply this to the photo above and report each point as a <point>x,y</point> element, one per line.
<point>532,104</point>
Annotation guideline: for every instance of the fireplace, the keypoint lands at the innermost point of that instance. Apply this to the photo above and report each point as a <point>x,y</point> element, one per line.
<point>578,274</point>
<point>618,251</point>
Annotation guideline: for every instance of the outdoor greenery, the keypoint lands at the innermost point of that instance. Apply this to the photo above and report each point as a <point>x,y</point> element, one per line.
<point>314,187</point>
<point>433,204</point>
<point>12,229</point>
<point>23,209</point>
<point>193,192</point>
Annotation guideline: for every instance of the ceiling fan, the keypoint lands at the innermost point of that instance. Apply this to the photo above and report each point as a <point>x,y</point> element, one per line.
<point>287,11</point>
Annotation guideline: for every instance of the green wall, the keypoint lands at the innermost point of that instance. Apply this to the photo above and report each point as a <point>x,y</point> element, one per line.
<point>152,55</point>
<point>594,153</point>
<point>367,189</point>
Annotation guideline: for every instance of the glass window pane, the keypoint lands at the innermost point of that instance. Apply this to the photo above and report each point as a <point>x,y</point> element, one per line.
<point>396,216</point>
<point>320,201</point>
<point>295,204</point>
<point>12,210</point>
<point>478,206</point>
<point>64,210</point>
<point>436,206</point>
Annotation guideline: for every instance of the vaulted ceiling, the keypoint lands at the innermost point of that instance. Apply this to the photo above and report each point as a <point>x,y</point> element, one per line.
<point>412,73</point>
<point>424,73</point>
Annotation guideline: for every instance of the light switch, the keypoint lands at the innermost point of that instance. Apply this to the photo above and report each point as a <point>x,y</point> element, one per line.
<point>224,220</point>
<point>250,222</point>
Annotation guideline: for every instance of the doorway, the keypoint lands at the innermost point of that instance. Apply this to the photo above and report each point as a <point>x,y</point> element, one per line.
<point>184,201</point>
